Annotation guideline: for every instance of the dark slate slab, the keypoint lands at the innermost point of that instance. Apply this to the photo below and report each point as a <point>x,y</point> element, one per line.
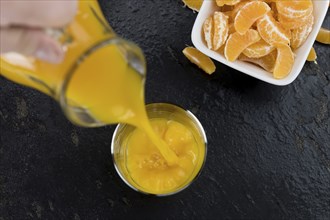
<point>269,147</point>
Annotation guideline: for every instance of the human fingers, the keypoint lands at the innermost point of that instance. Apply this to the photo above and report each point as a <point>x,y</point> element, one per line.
<point>33,42</point>
<point>37,13</point>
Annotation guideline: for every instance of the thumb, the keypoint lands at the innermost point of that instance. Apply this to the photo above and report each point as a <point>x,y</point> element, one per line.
<point>33,42</point>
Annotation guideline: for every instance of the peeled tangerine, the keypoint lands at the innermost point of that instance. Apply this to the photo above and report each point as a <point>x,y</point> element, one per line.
<point>299,35</point>
<point>262,32</point>
<point>216,30</point>
<point>266,62</point>
<point>323,36</point>
<point>295,8</point>
<point>221,28</point>
<point>284,61</point>
<point>193,4</point>
<point>312,55</point>
<point>259,49</point>
<point>293,23</point>
<point>272,31</point>
<point>208,32</point>
<point>200,59</point>
<point>249,13</point>
<point>236,43</point>
<point>237,8</point>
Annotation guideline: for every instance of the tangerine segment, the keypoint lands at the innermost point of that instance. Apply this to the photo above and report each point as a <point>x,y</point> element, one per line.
<point>208,32</point>
<point>200,59</point>
<point>323,36</point>
<point>236,43</point>
<point>267,62</point>
<point>312,55</point>
<point>299,35</point>
<point>227,2</point>
<point>221,28</point>
<point>237,8</point>
<point>284,61</point>
<point>293,23</point>
<point>249,14</point>
<point>272,31</point>
<point>295,8</point>
<point>193,4</point>
<point>259,49</point>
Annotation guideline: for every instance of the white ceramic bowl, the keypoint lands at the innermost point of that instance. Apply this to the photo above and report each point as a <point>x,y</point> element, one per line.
<point>209,6</point>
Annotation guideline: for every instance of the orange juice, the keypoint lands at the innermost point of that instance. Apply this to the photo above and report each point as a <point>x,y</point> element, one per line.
<point>149,169</point>
<point>98,83</point>
<point>140,164</point>
<point>114,98</point>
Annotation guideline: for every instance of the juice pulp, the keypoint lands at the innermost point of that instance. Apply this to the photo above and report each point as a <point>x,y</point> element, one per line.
<point>148,170</point>
<point>104,83</point>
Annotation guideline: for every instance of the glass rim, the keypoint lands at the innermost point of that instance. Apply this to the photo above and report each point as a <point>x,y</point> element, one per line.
<point>201,131</point>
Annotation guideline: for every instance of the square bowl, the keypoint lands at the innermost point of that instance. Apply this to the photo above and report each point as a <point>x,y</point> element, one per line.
<point>207,9</point>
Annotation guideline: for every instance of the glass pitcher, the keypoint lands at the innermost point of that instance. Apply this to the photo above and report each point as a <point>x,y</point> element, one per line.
<point>81,82</point>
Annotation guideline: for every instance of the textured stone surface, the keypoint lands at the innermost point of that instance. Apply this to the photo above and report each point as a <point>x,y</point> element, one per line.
<point>269,147</point>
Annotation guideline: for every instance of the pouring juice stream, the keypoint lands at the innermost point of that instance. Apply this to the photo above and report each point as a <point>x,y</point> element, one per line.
<point>110,98</point>
<point>122,101</point>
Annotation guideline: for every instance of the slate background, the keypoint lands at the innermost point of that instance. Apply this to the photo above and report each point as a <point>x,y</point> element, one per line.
<point>269,147</point>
